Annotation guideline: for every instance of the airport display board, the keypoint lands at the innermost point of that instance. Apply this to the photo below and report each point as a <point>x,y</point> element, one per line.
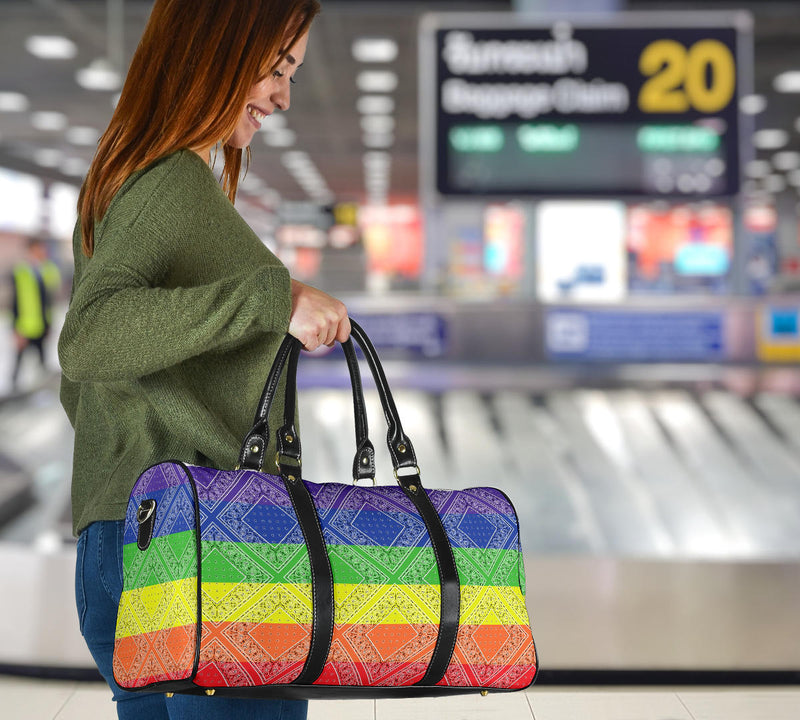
<point>635,105</point>
<point>635,336</point>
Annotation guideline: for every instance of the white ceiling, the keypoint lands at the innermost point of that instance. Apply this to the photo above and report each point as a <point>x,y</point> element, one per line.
<point>324,114</point>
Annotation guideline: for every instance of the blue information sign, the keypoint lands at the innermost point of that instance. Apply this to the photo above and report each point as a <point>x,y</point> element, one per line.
<point>635,336</point>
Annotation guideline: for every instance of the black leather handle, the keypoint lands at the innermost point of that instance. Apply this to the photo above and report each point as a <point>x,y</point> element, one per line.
<point>254,445</point>
<point>399,444</point>
<point>400,447</point>
<point>256,441</point>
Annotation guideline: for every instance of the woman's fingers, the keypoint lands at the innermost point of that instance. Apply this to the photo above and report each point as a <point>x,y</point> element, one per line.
<point>317,318</point>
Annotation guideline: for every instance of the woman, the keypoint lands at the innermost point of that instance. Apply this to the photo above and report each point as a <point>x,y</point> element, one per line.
<point>177,307</point>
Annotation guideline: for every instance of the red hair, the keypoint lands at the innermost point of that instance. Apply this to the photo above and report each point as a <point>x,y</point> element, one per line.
<point>186,87</point>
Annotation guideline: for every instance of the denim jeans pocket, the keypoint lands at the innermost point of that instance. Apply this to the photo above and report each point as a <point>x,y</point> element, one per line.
<point>80,587</point>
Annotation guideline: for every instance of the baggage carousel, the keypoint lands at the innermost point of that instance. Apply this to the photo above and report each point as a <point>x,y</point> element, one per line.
<point>660,521</point>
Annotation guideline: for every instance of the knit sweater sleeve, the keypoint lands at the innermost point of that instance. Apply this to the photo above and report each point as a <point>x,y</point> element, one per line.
<point>125,320</point>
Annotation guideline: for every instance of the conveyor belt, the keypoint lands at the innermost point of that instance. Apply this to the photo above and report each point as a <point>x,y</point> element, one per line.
<point>625,472</point>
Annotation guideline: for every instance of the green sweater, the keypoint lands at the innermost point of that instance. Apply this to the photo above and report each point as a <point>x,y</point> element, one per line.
<point>172,327</point>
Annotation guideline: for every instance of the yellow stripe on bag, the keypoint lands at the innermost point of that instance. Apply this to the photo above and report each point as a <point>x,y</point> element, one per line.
<point>166,605</point>
<point>257,602</point>
<point>481,605</point>
<point>172,604</point>
<point>383,604</point>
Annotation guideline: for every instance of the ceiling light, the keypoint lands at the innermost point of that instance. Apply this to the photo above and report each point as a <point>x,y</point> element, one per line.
<point>376,157</point>
<point>74,167</point>
<point>13,102</point>
<point>376,81</point>
<point>48,121</point>
<point>252,182</point>
<point>48,157</point>
<point>374,50</point>
<point>375,105</point>
<point>758,169</point>
<point>378,140</point>
<point>775,183</point>
<point>377,170</point>
<point>793,178</point>
<point>99,75</point>
<point>324,198</point>
<point>376,184</point>
<point>380,124</point>
<point>82,135</point>
<point>274,122</point>
<point>295,158</point>
<point>310,176</point>
<point>786,160</point>
<point>280,138</point>
<point>787,82</point>
<point>753,104</point>
<point>51,47</point>
<point>772,139</point>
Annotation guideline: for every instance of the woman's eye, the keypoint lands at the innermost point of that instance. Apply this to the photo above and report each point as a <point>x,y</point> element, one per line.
<point>277,74</point>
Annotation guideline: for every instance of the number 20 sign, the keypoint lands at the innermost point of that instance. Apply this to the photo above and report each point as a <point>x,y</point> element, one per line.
<point>700,77</point>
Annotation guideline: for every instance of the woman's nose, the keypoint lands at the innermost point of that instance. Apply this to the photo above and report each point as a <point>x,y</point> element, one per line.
<point>281,96</point>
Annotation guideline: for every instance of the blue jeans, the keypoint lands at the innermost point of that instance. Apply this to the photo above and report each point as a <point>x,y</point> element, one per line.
<point>98,586</point>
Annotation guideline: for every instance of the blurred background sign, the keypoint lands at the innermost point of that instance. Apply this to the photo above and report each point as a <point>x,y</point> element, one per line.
<point>629,105</point>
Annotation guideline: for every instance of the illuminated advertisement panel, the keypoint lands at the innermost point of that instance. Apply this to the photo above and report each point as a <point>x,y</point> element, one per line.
<point>581,251</point>
<point>679,249</point>
<point>631,107</point>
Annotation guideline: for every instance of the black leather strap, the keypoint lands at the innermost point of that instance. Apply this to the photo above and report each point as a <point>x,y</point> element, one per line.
<point>364,461</point>
<point>254,446</point>
<point>450,604</point>
<point>255,442</point>
<point>321,579</point>
<point>287,440</point>
<point>400,447</point>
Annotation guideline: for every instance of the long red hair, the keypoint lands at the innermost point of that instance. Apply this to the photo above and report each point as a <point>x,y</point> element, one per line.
<point>186,87</point>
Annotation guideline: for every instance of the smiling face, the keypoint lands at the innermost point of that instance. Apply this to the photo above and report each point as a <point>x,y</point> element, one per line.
<point>268,94</point>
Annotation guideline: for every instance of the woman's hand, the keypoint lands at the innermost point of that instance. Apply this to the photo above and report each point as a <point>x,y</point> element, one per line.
<point>317,318</point>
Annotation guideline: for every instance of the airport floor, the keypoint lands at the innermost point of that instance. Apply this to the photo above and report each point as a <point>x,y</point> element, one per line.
<point>52,700</point>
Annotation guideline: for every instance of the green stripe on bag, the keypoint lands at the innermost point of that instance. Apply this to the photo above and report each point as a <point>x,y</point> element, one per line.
<point>228,562</point>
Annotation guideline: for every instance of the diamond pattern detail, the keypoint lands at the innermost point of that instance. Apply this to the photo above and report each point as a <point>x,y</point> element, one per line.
<point>257,611</point>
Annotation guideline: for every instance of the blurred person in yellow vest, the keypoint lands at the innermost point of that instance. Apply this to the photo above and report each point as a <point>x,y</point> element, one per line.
<point>36,281</point>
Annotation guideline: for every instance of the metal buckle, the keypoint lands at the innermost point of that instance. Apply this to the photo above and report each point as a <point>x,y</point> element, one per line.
<point>415,469</point>
<point>278,460</point>
<point>146,509</point>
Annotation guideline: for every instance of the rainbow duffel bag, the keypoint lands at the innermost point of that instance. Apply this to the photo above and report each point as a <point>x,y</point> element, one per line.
<point>246,583</point>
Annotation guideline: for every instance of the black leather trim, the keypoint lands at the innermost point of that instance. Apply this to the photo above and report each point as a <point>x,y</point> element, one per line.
<point>450,606</point>
<point>364,460</point>
<point>287,438</point>
<point>321,580</point>
<point>400,447</point>
<point>199,556</point>
<point>144,533</point>
<point>255,444</point>
<point>337,692</point>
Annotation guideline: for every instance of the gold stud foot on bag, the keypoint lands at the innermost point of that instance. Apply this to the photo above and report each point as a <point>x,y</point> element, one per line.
<point>484,693</point>
<point>170,695</point>
<point>210,691</point>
